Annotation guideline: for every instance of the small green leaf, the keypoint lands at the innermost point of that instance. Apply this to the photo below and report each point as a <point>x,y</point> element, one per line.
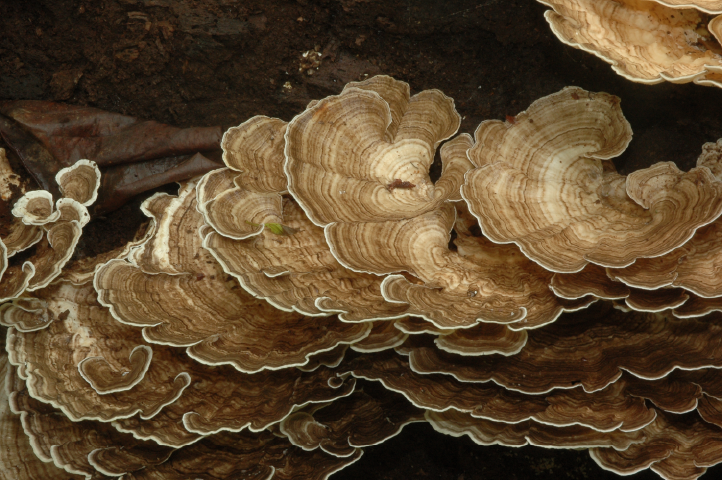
<point>276,228</point>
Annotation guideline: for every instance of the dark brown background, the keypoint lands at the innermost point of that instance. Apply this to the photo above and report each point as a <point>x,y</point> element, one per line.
<point>209,62</point>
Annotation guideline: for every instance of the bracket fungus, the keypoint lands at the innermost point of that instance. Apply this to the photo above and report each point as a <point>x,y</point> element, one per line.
<point>297,272</point>
<point>76,446</point>
<point>94,368</point>
<point>88,365</point>
<point>367,179</point>
<point>36,208</point>
<point>94,450</point>
<point>179,294</point>
<point>698,307</point>
<point>283,257</point>
<point>541,183</point>
<point>616,407</point>
<point>367,417</point>
<point>645,41</point>
<point>487,432</point>
<point>673,447</point>
<point>693,266</point>
<point>18,460</point>
<point>613,341</point>
<point>216,343</point>
<point>223,399</point>
<point>249,455</point>
<point>54,229</point>
<point>345,153</point>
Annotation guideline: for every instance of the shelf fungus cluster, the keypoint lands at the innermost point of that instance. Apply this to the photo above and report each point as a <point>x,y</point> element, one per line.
<point>646,41</point>
<point>334,283</point>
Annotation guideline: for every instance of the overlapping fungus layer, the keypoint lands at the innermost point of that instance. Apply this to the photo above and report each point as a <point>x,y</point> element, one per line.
<point>216,343</point>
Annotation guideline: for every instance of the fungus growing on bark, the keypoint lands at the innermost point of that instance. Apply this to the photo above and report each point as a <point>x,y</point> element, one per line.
<point>693,266</point>
<point>18,460</point>
<point>223,399</point>
<point>234,212</point>
<point>80,182</point>
<point>76,446</point>
<point>249,455</point>
<point>55,229</point>
<point>268,243</point>
<point>272,267</point>
<point>597,281</point>
<point>82,270</point>
<point>167,367</point>
<point>483,339</point>
<point>619,406</point>
<point>591,280</point>
<point>94,368</point>
<point>644,41</point>
<point>96,450</point>
<point>340,172</point>
<point>180,295</point>
<point>111,374</point>
<point>698,307</point>
<point>254,150</point>
<point>541,184</point>
<point>356,181</point>
<point>367,417</point>
<point>20,237</point>
<point>674,446</point>
<point>612,341</point>
<point>384,335</point>
<point>417,325</point>
<point>36,208</point>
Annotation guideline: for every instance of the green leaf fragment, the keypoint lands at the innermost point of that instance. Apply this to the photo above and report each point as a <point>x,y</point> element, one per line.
<point>276,228</point>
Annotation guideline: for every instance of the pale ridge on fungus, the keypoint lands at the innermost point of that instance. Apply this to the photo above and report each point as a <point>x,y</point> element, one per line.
<point>487,432</point>
<point>708,6</point>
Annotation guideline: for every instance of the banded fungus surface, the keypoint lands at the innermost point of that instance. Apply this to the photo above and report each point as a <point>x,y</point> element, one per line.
<point>320,292</point>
